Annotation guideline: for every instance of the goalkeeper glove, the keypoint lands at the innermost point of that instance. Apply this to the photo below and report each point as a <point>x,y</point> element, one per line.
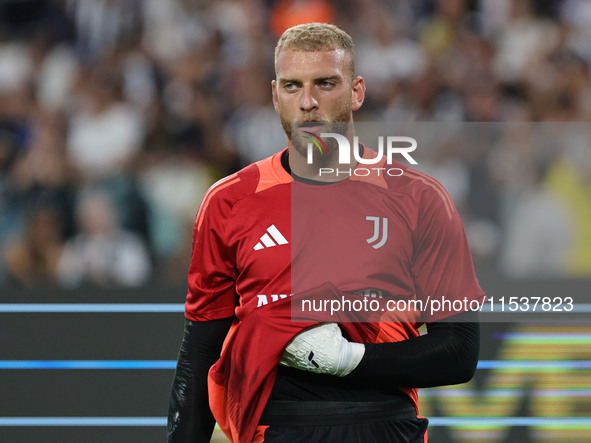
<point>323,349</point>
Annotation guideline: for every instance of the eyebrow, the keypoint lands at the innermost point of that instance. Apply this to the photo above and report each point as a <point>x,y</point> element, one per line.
<point>336,77</point>
<point>283,81</point>
<point>331,77</point>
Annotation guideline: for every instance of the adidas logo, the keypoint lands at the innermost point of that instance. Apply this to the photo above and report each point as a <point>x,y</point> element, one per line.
<point>271,238</point>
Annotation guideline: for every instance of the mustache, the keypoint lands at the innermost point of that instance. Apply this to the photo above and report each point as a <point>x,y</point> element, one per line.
<point>305,121</point>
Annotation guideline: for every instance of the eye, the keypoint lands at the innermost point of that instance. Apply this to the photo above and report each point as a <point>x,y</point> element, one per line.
<point>326,84</point>
<point>289,86</point>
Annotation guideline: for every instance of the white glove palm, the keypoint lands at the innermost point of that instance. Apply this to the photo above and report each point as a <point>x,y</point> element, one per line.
<point>323,349</point>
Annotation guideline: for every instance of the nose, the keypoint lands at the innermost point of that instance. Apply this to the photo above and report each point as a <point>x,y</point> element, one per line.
<point>308,102</point>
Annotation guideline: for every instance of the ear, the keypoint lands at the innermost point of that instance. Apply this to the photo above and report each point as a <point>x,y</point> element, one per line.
<point>275,100</point>
<point>358,93</point>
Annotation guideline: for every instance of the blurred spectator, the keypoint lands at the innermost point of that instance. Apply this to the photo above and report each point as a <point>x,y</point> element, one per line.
<point>31,260</point>
<point>288,13</point>
<point>38,205</point>
<point>8,219</point>
<point>442,163</point>
<point>570,178</point>
<point>523,39</point>
<point>104,139</point>
<point>56,78</point>
<point>102,254</point>
<point>16,67</point>
<point>42,175</point>
<point>482,100</point>
<point>102,24</point>
<point>173,28</point>
<point>538,239</point>
<point>577,15</point>
<point>105,133</point>
<point>439,31</point>
<point>386,45</point>
<point>174,184</point>
<point>255,127</point>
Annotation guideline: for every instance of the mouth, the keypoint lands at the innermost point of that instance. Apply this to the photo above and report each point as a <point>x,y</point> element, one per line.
<point>312,126</point>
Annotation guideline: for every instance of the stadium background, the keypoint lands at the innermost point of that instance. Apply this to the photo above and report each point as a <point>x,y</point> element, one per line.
<point>116,115</point>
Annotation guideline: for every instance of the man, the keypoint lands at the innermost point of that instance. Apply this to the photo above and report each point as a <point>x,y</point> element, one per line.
<point>257,242</point>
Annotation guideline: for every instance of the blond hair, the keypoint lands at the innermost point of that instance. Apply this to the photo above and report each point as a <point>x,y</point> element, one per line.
<point>311,37</point>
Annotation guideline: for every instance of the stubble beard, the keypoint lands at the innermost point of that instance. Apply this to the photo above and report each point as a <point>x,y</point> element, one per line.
<point>340,125</point>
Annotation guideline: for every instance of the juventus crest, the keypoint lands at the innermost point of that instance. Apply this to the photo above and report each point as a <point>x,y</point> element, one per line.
<point>380,231</point>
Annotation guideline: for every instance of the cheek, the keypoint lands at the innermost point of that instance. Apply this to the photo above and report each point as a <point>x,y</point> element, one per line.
<point>341,106</point>
<point>284,106</point>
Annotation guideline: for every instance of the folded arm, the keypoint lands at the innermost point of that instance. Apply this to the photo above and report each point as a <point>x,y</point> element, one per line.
<point>447,354</point>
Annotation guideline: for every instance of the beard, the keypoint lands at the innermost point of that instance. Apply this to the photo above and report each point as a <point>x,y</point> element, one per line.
<point>340,124</point>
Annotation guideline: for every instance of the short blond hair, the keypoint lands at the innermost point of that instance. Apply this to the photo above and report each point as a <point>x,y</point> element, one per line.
<point>311,37</point>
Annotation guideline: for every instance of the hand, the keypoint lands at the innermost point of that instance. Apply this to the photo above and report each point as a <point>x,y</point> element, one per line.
<point>323,349</point>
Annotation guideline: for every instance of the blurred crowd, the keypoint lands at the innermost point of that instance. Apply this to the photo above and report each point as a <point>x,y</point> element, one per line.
<point>117,115</point>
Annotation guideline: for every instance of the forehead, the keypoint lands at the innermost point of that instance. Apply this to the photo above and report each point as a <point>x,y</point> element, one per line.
<point>290,63</point>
